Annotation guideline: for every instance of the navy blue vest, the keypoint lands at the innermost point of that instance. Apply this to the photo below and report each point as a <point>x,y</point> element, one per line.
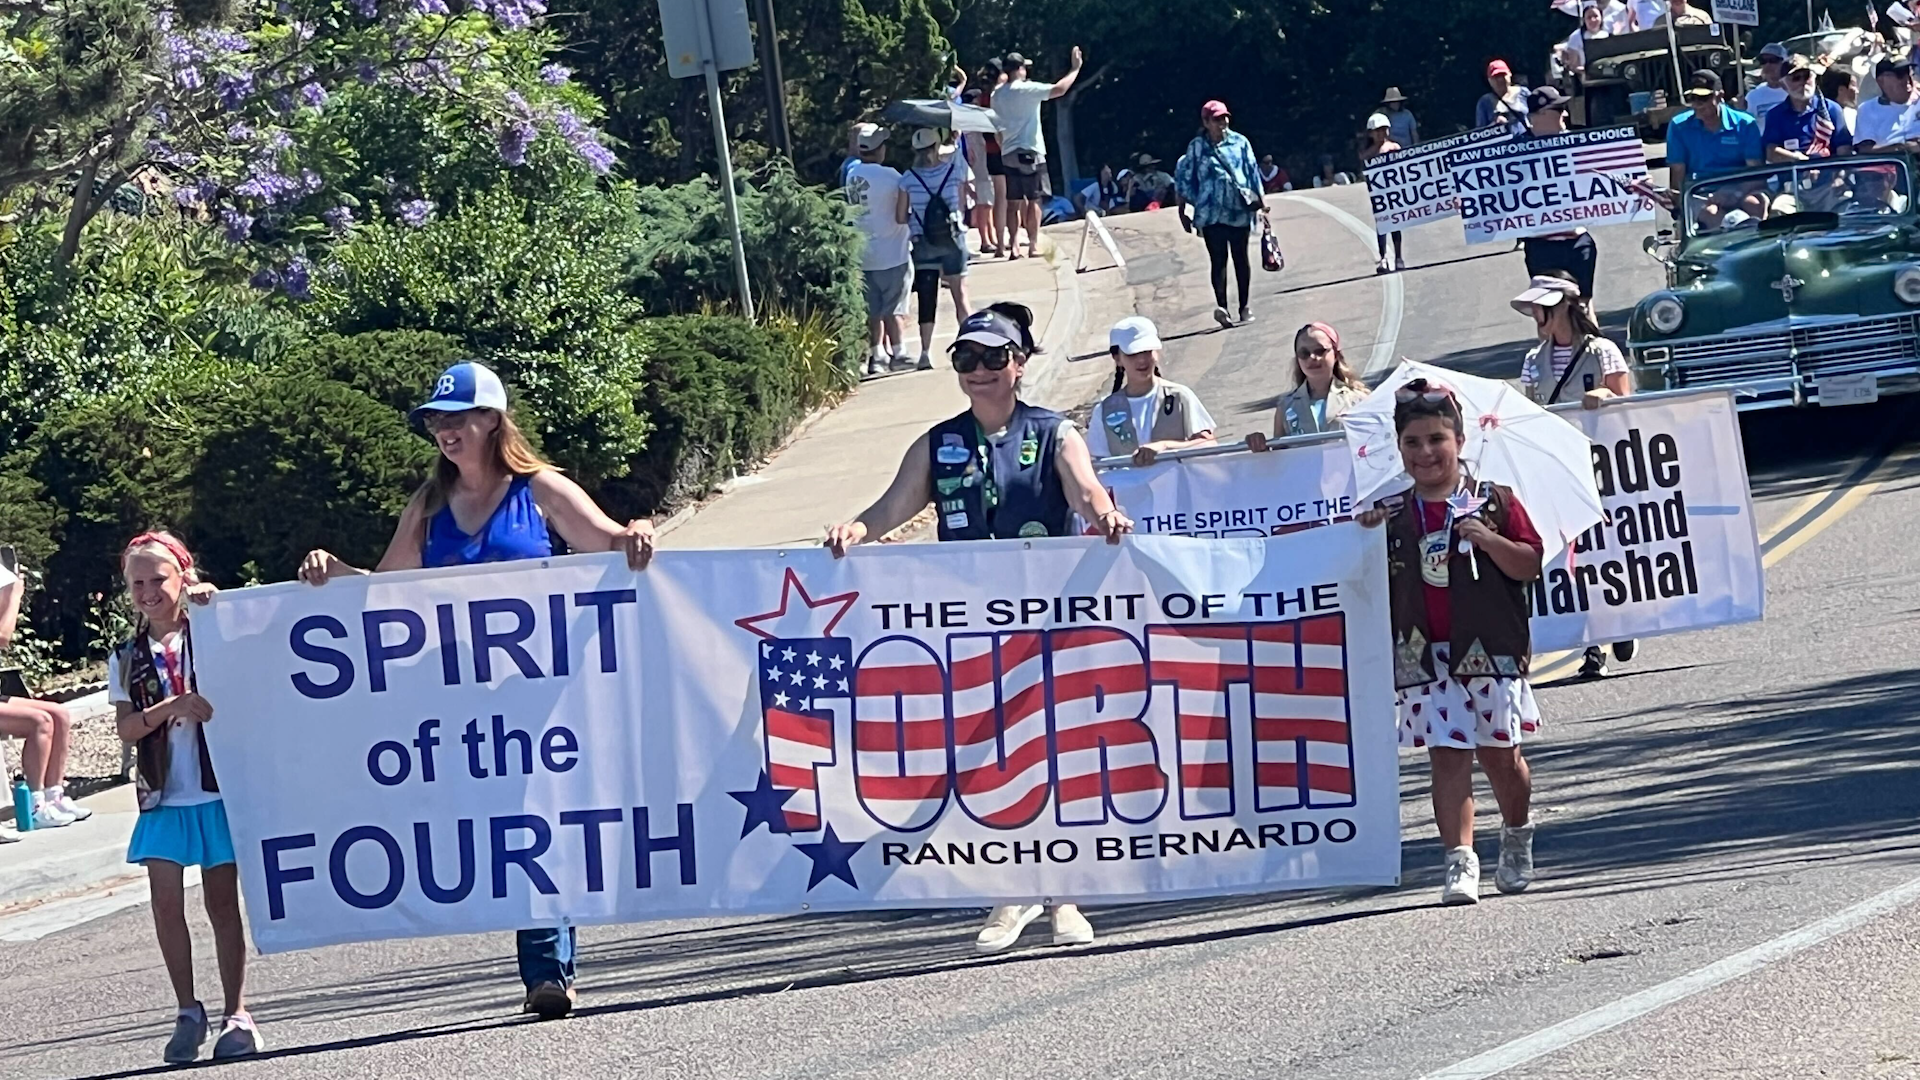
<point>995,489</point>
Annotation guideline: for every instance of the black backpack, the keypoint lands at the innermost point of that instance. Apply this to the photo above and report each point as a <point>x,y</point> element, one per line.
<point>936,221</point>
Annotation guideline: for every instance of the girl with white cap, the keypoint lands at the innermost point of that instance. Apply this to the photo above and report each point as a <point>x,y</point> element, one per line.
<point>1380,141</point>
<point>1002,469</point>
<point>935,188</point>
<point>1145,415</point>
<point>1574,361</point>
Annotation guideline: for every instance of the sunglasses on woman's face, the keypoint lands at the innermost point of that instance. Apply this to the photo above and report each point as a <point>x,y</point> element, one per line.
<point>968,357</point>
<point>1312,352</point>
<point>447,421</point>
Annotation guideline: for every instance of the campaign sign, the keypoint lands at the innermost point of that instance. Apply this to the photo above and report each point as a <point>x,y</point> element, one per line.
<point>1677,551</point>
<point>1741,12</point>
<point>1411,186</point>
<point>568,741</point>
<point>1531,187</point>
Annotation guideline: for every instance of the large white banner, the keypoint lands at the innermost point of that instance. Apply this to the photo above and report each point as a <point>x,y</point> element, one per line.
<point>1411,186</point>
<point>567,741</point>
<point>1679,549</point>
<point>1556,183</point>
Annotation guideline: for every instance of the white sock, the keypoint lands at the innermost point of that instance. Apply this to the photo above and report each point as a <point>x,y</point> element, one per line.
<point>55,792</point>
<point>39,799</point>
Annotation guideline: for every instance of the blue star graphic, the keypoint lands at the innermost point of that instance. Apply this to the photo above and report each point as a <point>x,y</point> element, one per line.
<point>832,857</point>
<point>764,805</point>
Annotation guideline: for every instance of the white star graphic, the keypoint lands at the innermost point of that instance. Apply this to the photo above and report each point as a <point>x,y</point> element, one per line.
<point>795,677</point>
<point>843,686</point>
<point>787,655</point>
<point>780,701</point>
<point>776,674</point>
<point>819,682</point>
<point>834,662</point>
<point>813,659</point>
<point>806,704</point>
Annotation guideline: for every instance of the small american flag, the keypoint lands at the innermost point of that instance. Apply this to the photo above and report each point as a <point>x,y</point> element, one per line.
<point>1464,504</point>
<point>1296,679</point>
<point>1610,158</point>
<point>799,678</point>
<point>1822,131</point>
<point>1644,187</point>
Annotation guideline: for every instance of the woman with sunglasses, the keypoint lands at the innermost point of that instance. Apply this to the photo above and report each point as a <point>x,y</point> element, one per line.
<point>1003,469</point>
<point>492,499</point>
<point>1574,361</point>
<point>1459,555</point>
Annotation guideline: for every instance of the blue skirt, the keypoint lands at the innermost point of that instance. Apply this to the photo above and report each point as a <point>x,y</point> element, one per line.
<point>188,835</point>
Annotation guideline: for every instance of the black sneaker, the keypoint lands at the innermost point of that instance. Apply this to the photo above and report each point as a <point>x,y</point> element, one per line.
<point>238,1038</point>
<point>1625,651</point>
<point>189,1034</point>
<point>549,1001</point>
<point>1225,320</point>
<point>1595,665</point>
<point>1245,316</point>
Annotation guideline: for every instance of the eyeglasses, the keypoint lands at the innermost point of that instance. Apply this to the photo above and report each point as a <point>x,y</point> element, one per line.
<point>970,356</point>
<point>1422,392</point>
<point>1799,76</point>
<point>447,421</point>
<point>1311,352</point>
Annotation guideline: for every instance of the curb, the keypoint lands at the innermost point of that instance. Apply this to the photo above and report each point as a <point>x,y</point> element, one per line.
<point>71,871</point>
<point>686,513</point>
<point>1056,342</point>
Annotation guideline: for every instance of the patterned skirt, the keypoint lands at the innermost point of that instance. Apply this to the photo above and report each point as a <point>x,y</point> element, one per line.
<point>1464,714</point>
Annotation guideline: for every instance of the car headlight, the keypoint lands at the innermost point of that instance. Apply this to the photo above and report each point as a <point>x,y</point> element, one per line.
<point>1666,315</point>
<point>1906,285</point>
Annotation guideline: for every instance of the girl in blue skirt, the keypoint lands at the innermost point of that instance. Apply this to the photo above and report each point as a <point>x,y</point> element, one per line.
<point>182,822</point>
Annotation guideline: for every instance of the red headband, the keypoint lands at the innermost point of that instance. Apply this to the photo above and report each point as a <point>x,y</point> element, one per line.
<point>1333,336</point>
<point>173,547</point>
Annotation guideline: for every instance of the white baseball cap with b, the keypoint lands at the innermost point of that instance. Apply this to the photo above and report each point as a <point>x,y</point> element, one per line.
<point>466,385</point>
<point>1134,334</point>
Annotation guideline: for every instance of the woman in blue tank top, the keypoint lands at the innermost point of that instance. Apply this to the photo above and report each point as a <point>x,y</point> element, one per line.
<point>491,499</point>
<point>1002,469</point>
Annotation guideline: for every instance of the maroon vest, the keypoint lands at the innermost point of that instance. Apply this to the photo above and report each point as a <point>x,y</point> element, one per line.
<point>142,682</point>
<point>1491,637</point>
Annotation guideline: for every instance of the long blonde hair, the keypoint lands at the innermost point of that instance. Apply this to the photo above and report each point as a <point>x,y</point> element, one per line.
<point>509,449</point>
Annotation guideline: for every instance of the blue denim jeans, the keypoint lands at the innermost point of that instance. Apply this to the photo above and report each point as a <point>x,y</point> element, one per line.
<point>546,955</point>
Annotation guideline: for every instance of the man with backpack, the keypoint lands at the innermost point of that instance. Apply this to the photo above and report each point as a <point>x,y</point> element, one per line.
<point>936,189</point>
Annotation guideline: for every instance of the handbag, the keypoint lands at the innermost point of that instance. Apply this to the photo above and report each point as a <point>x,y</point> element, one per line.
<point>1250,197</point>
<point>1270,256</point>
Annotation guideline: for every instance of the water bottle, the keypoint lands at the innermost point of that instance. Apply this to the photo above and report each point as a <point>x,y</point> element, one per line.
<point>22,806</point>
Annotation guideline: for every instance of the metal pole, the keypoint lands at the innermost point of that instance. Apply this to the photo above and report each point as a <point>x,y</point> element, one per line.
<point>1739,71</point>
<point>712,72</point>
<point>1673,47</point>
<point>778,129</point>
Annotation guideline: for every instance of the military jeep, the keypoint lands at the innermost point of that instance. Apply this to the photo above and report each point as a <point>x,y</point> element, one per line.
<point>1790,284</point>
<point>1621,66</point>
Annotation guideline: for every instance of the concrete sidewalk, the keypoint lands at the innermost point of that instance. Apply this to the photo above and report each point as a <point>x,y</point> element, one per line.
<point>844,460</point>
<point>49,863</point>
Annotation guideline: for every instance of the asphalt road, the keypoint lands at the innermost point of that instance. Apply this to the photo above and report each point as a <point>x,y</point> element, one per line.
<point>1727,790</point>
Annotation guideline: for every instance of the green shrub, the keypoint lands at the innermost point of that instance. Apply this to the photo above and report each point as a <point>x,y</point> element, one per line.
<point>300,463</point>
<point>803,252</point>
<point>532,289</point>
<point>396,367</point>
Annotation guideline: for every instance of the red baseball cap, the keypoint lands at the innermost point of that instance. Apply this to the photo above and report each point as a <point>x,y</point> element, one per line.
<point>1213,109</point>
<point>1498,67</point>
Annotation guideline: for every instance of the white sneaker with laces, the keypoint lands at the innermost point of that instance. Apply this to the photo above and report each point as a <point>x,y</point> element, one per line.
<point>57,795</point>
<point>1515,871</point>
<point>1463,878</point>
<point>1004,926</point>
<point>1070,927</point>
<point>49,816</point>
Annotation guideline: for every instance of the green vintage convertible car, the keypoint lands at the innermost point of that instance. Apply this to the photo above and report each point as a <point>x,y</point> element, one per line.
<point>1790,284</point>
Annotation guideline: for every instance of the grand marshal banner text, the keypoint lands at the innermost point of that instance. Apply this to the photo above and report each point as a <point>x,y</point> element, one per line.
<point>568,741</point>
<point>1679,549</point>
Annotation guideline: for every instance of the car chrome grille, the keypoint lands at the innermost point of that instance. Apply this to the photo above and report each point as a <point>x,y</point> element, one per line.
<point>1831,349</point>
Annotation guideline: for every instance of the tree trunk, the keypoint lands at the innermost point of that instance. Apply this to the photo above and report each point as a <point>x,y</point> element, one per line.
<point>1063,134</point>
<point>84,207</point>
<point>690,135</point>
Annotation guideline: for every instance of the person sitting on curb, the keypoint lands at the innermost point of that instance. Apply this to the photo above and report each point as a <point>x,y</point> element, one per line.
<point>44,729</point>
<point>1168,414</point>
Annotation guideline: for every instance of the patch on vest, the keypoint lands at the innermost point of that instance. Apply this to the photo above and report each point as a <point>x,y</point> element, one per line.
<point>1029,450</point>
<point>952,506</point>
<point>1409,658</point>
<point>1033,528</point>
<point>956,521</point>
<point>1505,665</point>
<point>1475,662</point>
<point>947,485</point>
<point>952,455</point>
<point>1117,422</point>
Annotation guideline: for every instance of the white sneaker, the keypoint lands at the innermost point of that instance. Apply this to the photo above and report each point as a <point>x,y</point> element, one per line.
<point>926,362</point>
<point>1004,926</point>
<point>49,816</point>
<point>58,796</point>
<point>1225,320</point>
<point>1070,927</point>
<point>1515,871</point>
<point>876,365</point>
<point>1463,878</point>
<point>1384,266</point>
